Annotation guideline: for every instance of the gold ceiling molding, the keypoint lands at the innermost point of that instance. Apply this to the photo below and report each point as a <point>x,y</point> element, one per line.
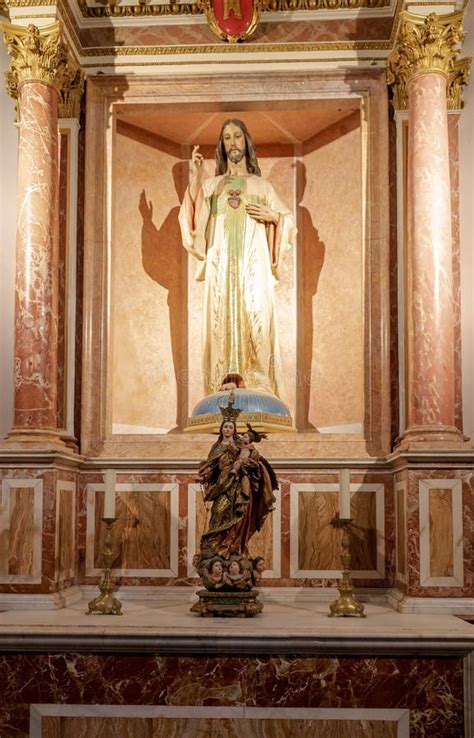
<point>118,51</point>
<point>425,44</point>
<point>158,62</point>
<point>40,54</point>
<point>113,9</point>
<point>27,3</point>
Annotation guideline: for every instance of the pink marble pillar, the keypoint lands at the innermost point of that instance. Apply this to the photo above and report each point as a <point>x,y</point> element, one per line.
<point>430,306</point>
<point>35,417</point>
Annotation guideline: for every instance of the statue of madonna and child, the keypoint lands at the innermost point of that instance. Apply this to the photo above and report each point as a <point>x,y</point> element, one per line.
<point>239,483</point>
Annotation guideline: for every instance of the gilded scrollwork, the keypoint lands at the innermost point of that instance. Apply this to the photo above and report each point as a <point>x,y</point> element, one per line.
<point>115,9</point>
<point>427,44</point>
<point>71,96</point>
<point>458,79</point>
<point>37,54</point>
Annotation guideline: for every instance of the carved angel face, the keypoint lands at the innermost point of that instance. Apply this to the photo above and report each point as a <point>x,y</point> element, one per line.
<point>216,568</point>
<point>234,567</point>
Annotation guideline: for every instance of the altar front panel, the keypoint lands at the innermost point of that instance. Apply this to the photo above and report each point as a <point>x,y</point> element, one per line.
<point>334,696</point>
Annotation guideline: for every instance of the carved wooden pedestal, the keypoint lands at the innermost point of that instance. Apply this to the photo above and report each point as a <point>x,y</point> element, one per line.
<point>227,604</point>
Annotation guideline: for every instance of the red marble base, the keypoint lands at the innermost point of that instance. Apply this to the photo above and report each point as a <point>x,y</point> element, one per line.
<point>430,688</point>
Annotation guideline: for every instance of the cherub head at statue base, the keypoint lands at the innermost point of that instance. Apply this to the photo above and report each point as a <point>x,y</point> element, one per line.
<point>226,574</point>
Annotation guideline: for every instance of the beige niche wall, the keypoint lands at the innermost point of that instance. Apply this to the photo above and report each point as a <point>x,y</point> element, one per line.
<point>149,388</point>
<point>331,264</point>
<point>156,305</point>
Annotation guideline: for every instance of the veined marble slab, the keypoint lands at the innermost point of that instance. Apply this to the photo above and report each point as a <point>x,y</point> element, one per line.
<point>282,628</point>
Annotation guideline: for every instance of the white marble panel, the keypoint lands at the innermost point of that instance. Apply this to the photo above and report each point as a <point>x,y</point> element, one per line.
<point>38,712</point>
<point>173,491</point>
<point>296,572</point>
<point>70,488</point>
<point>401,121</point>
<point>400,491</point>
<point>193,491</point>
<point>426,580</point>
<point>430,605</point>
<point>8,489</point>
<point>70,127</point>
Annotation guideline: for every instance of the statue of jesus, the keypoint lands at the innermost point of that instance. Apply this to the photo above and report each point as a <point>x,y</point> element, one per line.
<point>237,226</point>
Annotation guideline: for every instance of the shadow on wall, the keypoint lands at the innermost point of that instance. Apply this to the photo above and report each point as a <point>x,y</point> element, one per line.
<point>310,266</point>
<point>162,261</point>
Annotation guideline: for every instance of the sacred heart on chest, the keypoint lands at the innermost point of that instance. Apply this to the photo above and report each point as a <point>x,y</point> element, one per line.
<point>234,199</point>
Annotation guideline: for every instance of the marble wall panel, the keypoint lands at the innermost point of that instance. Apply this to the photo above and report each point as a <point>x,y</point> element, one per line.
<point>79,317</point>
<point>441,533</point>
<point>266,542</point>
<point>315,546</point>
<point>65,547</point>
<point>400,531</point>
<point>21,512</point>
<point>440,513</point>
<point>364,530</point>
<point>420,583</point>
<point>224,727</point>
<point>145,535</point>
<point>453,140</point>
<point>425,691</point>
<point>394,276</point>
<point>62,277</point>
<point>96,727</point>
<point>319,544</point>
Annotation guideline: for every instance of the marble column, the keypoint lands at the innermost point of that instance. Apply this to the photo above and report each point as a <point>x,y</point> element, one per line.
<point>420,68</point>
<point>39,69</point>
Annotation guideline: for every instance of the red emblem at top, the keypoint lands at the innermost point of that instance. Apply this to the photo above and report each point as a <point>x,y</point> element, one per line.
<point>232,20</point>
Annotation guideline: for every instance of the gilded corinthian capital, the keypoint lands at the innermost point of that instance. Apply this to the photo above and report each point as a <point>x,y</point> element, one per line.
<point>37,54</point>
<point>426,44</point>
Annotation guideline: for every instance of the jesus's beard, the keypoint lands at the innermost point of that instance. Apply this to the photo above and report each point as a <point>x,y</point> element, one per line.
<point>236,155</point>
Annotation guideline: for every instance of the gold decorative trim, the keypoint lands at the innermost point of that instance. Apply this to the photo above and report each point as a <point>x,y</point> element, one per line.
<point>424,44</point>
<point>262,422</point>
<point>35,16</point>
<point>37,54</point>
<point>71,96</point>
<point>114,10</point>
<point>458,79</point>
<point>235,49</point>
<point>28,3</point>
<point>113,65</point>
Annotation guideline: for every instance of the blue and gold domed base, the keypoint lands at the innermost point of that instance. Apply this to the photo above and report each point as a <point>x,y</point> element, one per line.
<point>266,413</point>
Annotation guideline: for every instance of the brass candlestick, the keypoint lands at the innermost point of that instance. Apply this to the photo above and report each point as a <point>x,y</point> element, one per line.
<point>106,603</point>
<point>346,606</point>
